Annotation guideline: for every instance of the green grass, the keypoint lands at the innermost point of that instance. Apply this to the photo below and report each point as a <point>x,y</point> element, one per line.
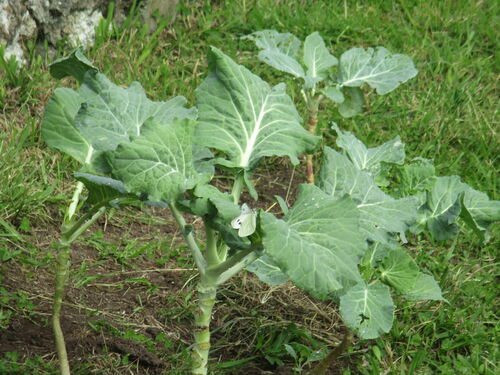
<point>448,113</point>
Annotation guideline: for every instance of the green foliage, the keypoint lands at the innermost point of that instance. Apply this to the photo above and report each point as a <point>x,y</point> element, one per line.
<point>379,68</point>
<point>340,238</point>
<point>258,120</point>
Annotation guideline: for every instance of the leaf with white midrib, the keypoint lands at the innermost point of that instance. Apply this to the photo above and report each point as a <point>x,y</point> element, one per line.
<point>381,69</point>
<point>159,162</point>
<point>58,129</point>
<point>110,114</point>
<point>279,50</point>
<point>370,159</point>
<point>318,245</point>
<point>368,309</point>
<point>317,58</point>
<point>242,116</point>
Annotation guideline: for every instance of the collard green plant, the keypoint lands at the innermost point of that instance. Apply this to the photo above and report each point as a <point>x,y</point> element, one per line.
<point>342,238</point>
<point>72,124</point>
<point>324,76</point>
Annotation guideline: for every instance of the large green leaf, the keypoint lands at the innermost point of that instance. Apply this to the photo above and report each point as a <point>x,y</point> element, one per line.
<point>159,162</point>
<point>318,245</point>
<point>58,129</point>
<point>425,287</point>
<point>381,214</point>
<point>370,159</point>
<point>110,114</point>
<point>368,309</point>
<point>381,69</point>
<point>399,270</point>
<point>99,114</point>
<point>279,50</point>
<point>75,65</point>
<point>242,116</point>
<point>317,58</point>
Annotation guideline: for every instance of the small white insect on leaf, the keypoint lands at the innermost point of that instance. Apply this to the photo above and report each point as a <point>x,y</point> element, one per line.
<point>246,222</point>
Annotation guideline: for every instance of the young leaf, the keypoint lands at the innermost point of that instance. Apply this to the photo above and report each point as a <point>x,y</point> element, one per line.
<point>381,215</point>
<point>159,162</point>
<point>335,94</point>
<point>279,50</point>
<point>223,202</point>
<point>370,159</point>
<point>283,205</point>
<point>368,309</point>
<point>352,103</point>
<point>75,65</point>
<point>111,114</point>
<point>379,68</point>
<point>58,129</point>
<point>479,212</point>
<point>242,116</point>
<point>417,177</point>
<point>102,189</point>
<point>376,252</point>
<point>425,288</point>
<point>267,271</point>
<point>317,58</point>
<point>318,244</point>
<point>399,270</point>
<point>443,207</point>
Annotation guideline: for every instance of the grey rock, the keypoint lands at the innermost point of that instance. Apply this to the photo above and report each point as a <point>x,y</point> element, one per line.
<point>72,21</point>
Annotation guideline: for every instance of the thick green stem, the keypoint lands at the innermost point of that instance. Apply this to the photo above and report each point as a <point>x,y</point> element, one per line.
<point>63,263</point>
<point>202,316</point>
<point>239,182</point>
<point>312,123</point>
<point>70,233</point>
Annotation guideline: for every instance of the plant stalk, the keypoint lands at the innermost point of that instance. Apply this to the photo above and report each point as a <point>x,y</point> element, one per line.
<point>62,267</point>
<point>312,124</point>
<point>330,359</point>
<point>70,232</point>
<point>207,291</point>
<point>311,127</point>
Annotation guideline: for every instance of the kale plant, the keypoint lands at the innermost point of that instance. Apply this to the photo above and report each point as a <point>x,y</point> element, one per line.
<point>341,239</point>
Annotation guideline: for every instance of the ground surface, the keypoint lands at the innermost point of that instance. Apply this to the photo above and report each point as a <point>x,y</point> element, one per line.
<point>127,306</point>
